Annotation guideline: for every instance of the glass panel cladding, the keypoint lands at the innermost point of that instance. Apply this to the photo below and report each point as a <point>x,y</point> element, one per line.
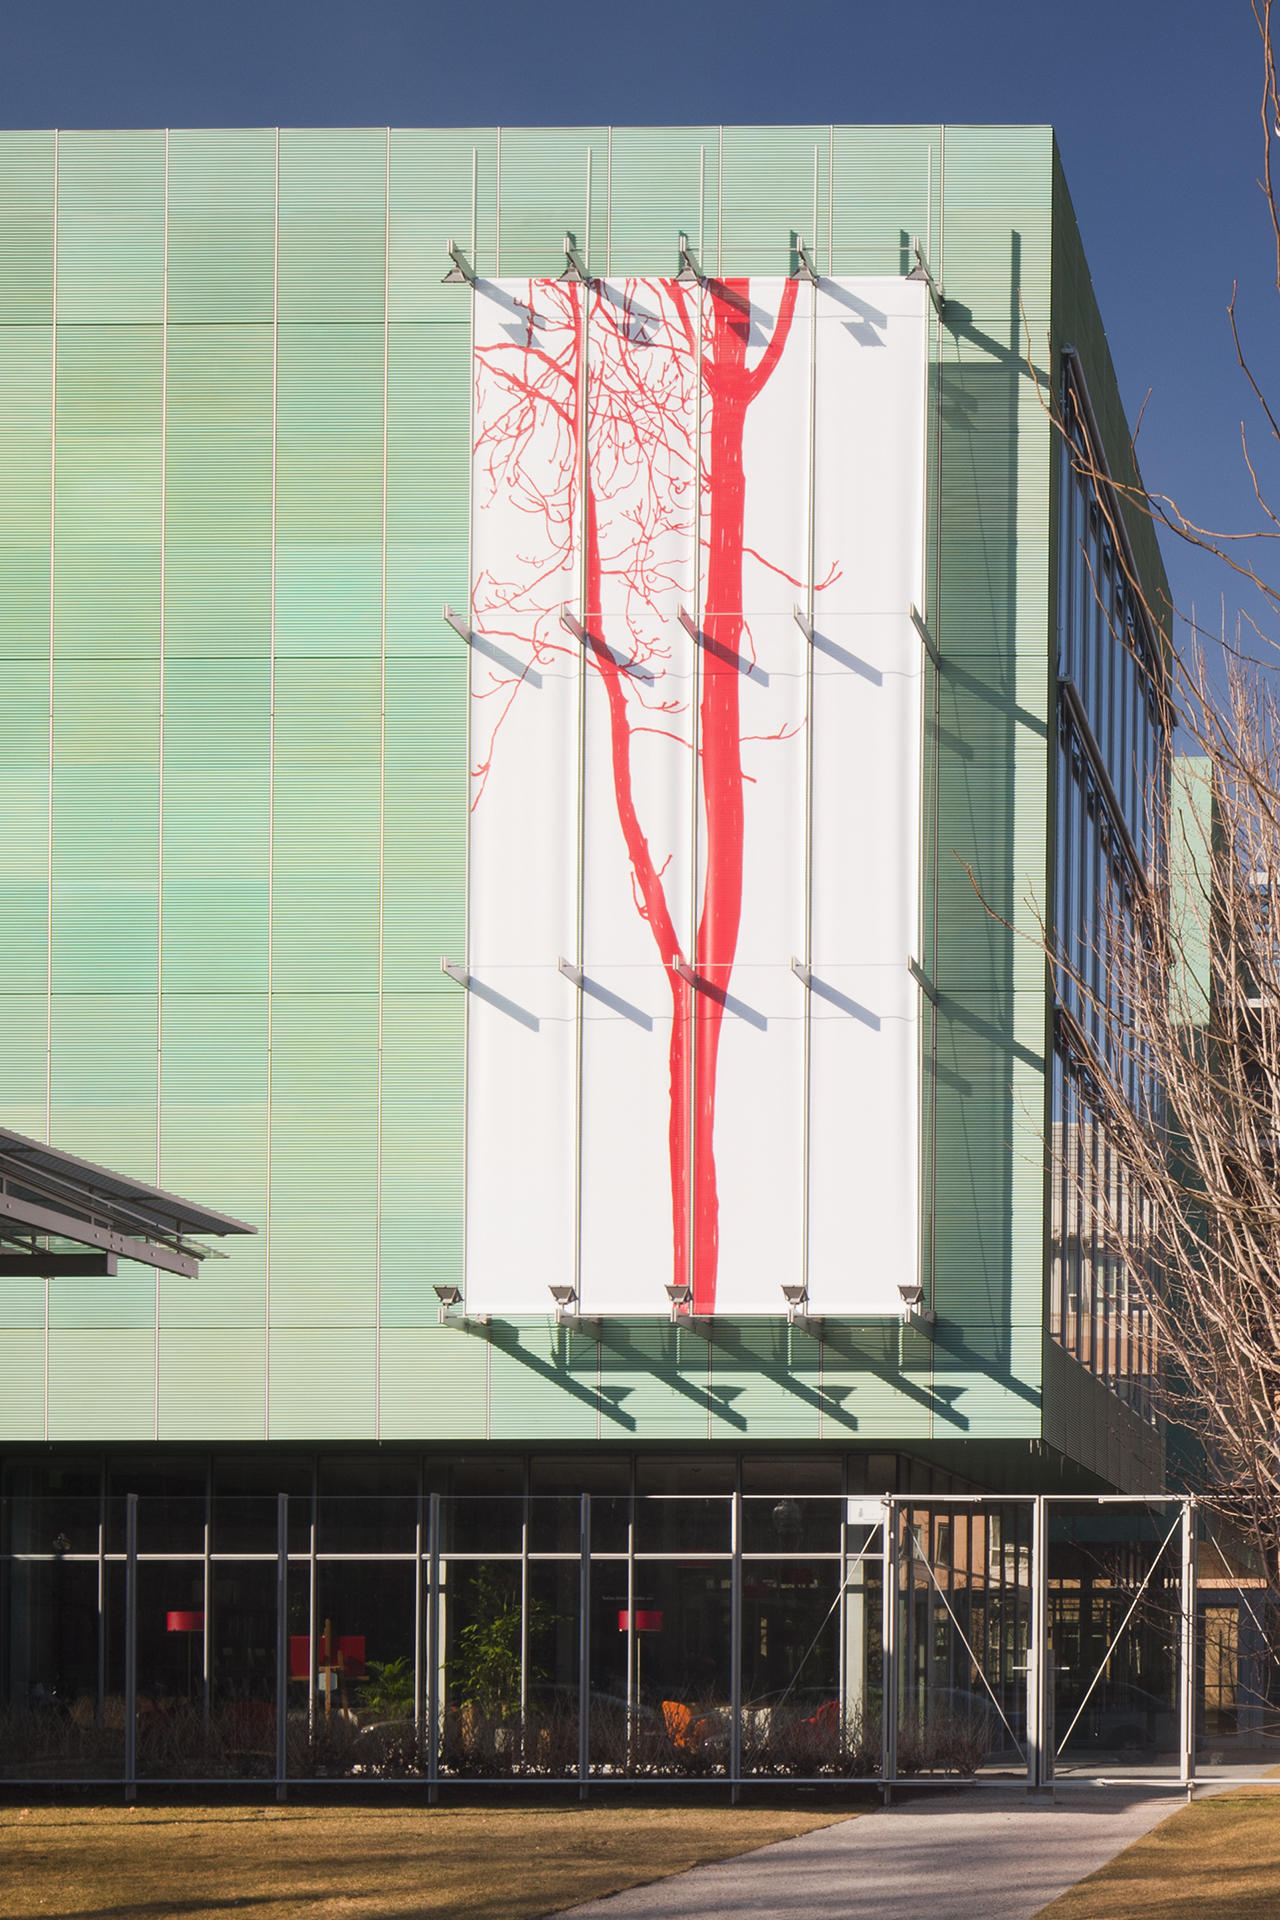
<point>169,1638</point>
<point>785,1523</point>
<point>791,1661</point>
<point>473,1523</point>
<point>352,1679</point>
<point>962,1635</point>
<point>669,1523</point>
<point>384,1523</point>
<point>491,1629</point>
<point>1113,1609</point>
<point>555,1523</point>
<point>684,1661</point>
<point>1109,861</point>
<point>627,1732</point>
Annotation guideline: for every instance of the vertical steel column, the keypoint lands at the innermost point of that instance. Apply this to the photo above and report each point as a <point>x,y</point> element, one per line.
<point>100,1704</point>
<point>581,292</point>
<point>524,1611</point>
<point>1187,1647</point>
<point>889,1656</point>
<point>433,1650</point>
<point>131,1646</point>
<point>842,1624</point>
<point>1039,1717</point>
<point>524,1600</point>
<point>206,1630</point>
<point>809,696</point>
<point>419,1621</point>
<point>735,1651</point>
<point>633,1676</point>
<point>282,1644</point>
<point>206,1595</point>
<point>313,1613</point>
<point>584,1645</point>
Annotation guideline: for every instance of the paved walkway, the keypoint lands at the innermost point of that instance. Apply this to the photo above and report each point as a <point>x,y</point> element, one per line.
<point>980,1854</point>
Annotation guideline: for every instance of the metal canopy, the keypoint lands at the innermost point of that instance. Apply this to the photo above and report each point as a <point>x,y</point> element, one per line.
<point>53,1206</point>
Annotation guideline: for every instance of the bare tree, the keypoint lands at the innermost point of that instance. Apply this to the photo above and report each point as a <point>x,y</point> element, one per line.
<point>1174,1041</point>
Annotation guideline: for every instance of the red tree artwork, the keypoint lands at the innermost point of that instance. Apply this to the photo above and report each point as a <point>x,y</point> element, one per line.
<point>612,421</point>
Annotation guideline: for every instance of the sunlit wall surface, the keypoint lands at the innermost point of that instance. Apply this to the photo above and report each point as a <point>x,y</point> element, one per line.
<point>237,403</point>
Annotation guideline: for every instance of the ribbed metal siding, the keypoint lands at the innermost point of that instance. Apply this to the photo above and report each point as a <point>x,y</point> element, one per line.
<point>774,181</point>
<point>992,253</point>
<point>885,192</point>
<point>332,224</point>
<point>331,778</point>
<point>110,228</point>
<point>665,181</point>
<point>329,490</point>
<point>221,262</point>
<point>543,196</point>
<point>101,1383</point>
<point>26,229</point>
<point>24,808</point>
<point>218,491</point>
<point>428,482</point>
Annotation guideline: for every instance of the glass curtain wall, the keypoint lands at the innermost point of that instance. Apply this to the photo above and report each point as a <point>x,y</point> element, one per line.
<point>1112,756</point>
<point>579,1637</point>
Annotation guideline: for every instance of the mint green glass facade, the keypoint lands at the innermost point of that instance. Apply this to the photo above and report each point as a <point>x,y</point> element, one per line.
<point>235,406</point>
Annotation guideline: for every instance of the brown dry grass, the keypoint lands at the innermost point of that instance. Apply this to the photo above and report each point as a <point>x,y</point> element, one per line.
<point>282,1863</point>
<point>1218,1859</point>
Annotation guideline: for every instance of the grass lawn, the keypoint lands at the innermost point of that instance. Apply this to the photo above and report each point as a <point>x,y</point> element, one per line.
<point>1217,1859</point>
<point>367,1863</point>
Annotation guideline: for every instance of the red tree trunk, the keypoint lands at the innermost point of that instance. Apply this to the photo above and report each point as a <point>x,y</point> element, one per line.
<point>559,385</point>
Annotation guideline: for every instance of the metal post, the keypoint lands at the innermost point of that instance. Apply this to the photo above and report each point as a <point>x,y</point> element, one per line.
<point>206,1597</point>
<point>524,1623</point>
<point>282,1644</point>
<point>735,1652</point>
<point>433,1651</point>
<point>889,1655</point>
<point>1039,1719</point>
<point>633,1643</point>
<point>584,1645</point>
<point>1187,1649</point>
<point>100,1704</point>
<point>131,1646</point>
<point>419,1621</point>
<point>313,1614</point>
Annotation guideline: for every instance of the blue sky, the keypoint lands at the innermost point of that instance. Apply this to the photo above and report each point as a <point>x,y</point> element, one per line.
<point>1155,103</point>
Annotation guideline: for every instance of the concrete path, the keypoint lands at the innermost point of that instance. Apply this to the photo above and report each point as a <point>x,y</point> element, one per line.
<point>979,1854</point>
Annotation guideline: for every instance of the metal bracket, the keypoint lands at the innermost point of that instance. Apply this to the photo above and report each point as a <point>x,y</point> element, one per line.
<point>930,644</point>
<point>573,267</point>
<point>569,971</point>
<point>805,625</point>
<point>571,624</point>
<point>690,272</point>
<point>461,272</point>
<point>921,271</point>
<point>454,971</point>
<point>680,966</point>
<point>689,624</point>
<point>922,980</point>
<point>802,973</point>
<point>456,621</point>
<point>804,267</point>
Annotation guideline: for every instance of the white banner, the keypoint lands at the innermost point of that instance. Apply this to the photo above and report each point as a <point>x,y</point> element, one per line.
<point>674,792</point>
